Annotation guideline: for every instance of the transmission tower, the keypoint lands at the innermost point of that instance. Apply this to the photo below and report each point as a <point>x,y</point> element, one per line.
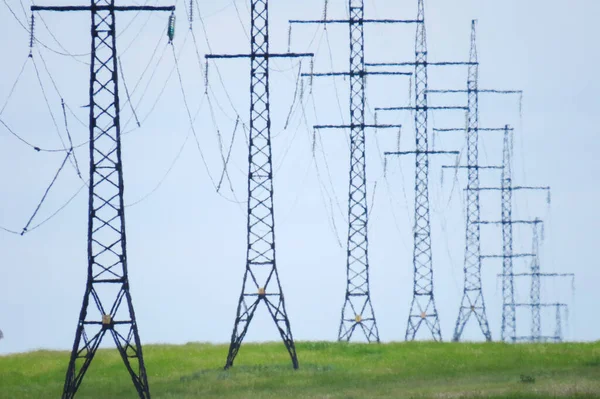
<point>472,302</point>
<point>535,304</point>
<point>423,308</point>
<point>261,279</point>
<point>107,287</point>
<point>509,323</point>
<point>357,311</point>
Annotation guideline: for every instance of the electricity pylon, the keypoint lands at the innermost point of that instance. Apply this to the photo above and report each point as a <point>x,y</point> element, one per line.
<point>472,302</point>
<point>357,311</point>
<point>107,288</point>
<point>261,280</point>
<point>509,322</point>
<point>423,308</point>
<point>535,305</point>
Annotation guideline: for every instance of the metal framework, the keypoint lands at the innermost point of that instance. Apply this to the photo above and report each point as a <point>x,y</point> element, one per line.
<point>535,303</point>
<point>509,322</point>
<point>558,334</point>
<point>534,292</point>
<point>422,308</point>
<point>261,280</point>
<point>472,302</point>
<point>357,311</point>
<point>107,288</point>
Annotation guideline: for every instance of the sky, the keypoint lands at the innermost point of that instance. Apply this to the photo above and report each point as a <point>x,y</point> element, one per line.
<point>187,242</point>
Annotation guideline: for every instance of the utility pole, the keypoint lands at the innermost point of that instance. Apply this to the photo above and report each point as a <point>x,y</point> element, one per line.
<point>357,311</point>
<point>261,279</point>
<point>107,288</point>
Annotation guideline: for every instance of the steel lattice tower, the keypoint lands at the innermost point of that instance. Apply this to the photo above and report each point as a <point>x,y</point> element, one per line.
<point>472,302</point>
<point>423,309</point>
<point>107,268</point>
<point>534,294</point>
<point>107,288</point>
<point>357,311</point>
<point>508,292</point>
<point>261,279</point>
<point>558,335</point>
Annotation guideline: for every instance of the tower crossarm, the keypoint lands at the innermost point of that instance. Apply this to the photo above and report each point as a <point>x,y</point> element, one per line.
<point>347,21</point>
<point>513,256</point>
<point>480,129</point>
<point>438,64</point>
<point>480,167</point>
<point>481,91</point>
<point>99,7</point>
<point>353,126</point>
<point>572,275</point>
<point>531,222</point>
<point>424,108</point>
<point>359,74</point>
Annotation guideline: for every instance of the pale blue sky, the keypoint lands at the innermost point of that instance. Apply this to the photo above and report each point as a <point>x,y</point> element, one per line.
<point>186,244</point>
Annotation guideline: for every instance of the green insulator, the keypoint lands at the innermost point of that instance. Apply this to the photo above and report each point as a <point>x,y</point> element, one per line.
<point>171,27</point>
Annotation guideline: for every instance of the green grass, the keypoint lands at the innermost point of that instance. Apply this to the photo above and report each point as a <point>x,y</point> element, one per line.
<point>327,370</point>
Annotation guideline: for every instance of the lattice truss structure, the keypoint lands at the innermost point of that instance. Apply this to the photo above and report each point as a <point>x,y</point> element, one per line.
<point>107,307</point>
<point>261,282</point>
<point>507,223</point>
<point>535,304</point>
<point>357,310</point>
<point>472,303</point>
<point>423,308</point>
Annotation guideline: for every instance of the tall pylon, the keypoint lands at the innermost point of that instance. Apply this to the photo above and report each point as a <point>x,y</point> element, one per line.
<point>535,305</point>
<point>509,322</point>
<point>507,188</point>
<point>534,292</point>
<point>357,311</point>
<point>423,308</point>
<point>107,305</point>
<point>261,282</point>
<point>472,302</point>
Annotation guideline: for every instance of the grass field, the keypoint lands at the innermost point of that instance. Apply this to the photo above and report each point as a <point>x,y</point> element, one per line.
<point>327,370</point>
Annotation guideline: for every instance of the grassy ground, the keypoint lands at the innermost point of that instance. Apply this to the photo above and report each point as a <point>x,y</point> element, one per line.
<point>327,370</point>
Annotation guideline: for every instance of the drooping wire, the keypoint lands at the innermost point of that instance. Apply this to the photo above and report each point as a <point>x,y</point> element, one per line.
<point>12,90</point>
<point>127,92</point>
<point>220,143</point>
<point>62,103</point>
<point>296,91</point>
<point>73,162</point>
<point>64,52</point>
<point>64,162</point>
<point>21,139</point>
<point>150,80</point>
<point>39,78</point>
<point>226,159</point>
<point>164,177</point>
<point>191,121</point>
<point>59,209</point>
